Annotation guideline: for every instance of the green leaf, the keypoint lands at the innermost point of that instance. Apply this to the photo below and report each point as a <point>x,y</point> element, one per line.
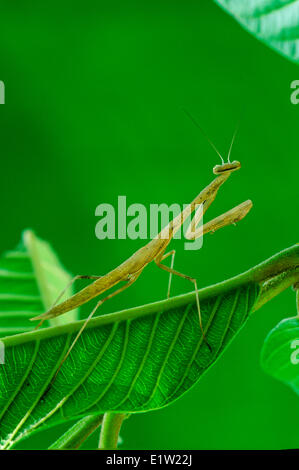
<point>280,353</point>
<point>31,278</point>
<point>132,361</point>
<point>274,22</point>
<point>137,360</point>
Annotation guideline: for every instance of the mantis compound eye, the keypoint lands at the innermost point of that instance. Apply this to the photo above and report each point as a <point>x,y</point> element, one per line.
<point>234,166</point>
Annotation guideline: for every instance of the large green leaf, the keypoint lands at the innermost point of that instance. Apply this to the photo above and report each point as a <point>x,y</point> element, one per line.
<point>131,361</point>
<point>280,353</point>
<point>275,22</point>
<point>136,360</point>
<point>31,278</point>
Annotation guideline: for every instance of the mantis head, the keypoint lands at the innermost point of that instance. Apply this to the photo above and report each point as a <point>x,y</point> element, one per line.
<point>224,167</point>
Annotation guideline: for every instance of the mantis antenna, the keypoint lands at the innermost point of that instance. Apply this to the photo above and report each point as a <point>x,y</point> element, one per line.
<point>204,133</point>
<point>233,139</point>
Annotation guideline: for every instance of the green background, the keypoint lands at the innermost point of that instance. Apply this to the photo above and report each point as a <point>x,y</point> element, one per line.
<point>93,111</point>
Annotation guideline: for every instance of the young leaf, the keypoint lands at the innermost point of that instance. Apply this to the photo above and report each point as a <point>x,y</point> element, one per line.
<point>275,22</point>
<point>31,278</point>
<point>280,353</point>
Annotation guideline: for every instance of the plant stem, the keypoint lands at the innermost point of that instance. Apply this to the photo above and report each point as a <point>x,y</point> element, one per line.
<point>296,289</point>
<point>110,430</point>
<point>74,437</point>
<point>276,285</point>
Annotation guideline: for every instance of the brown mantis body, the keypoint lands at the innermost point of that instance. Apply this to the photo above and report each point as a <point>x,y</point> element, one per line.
<point>155,250</point>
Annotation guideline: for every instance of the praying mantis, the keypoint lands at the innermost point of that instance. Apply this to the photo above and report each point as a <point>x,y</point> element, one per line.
<point>155,251</point>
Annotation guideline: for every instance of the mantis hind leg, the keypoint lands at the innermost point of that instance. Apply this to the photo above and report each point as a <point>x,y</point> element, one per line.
<point>69,284</point>
<point>129,282</point>
<point>171,271</point>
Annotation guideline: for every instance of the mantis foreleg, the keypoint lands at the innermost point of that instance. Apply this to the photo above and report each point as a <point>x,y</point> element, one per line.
<point>228,218</point>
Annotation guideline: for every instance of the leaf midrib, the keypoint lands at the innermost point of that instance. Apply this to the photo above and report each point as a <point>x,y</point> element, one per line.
<point>132,313</point>
<point>283,261</point>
